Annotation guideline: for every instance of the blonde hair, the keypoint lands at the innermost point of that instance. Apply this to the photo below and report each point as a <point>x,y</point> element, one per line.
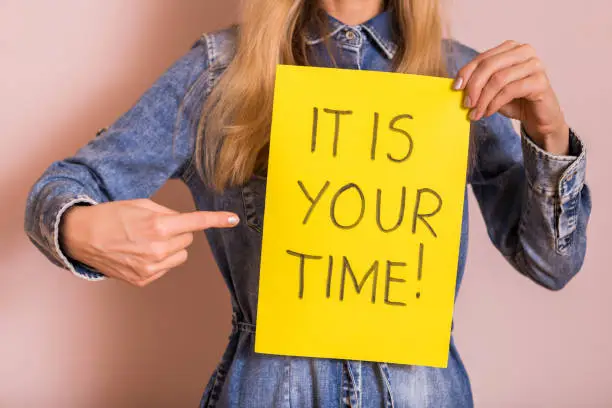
<point>233,132</point>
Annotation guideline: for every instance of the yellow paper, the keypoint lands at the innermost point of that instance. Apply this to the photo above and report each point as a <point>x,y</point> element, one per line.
<point>421,149</point>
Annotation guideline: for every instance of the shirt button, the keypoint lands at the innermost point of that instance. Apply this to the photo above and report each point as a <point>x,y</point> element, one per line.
<point>350,35</point>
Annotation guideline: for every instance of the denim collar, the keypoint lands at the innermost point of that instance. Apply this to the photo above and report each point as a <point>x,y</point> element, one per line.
<point>379,28</point>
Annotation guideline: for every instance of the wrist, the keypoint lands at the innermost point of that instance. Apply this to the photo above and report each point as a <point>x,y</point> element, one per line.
<point>71,230</point>
<point>554,141</point>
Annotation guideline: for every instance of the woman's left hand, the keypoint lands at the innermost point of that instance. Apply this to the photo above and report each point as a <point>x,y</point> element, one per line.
<point>511,80</point>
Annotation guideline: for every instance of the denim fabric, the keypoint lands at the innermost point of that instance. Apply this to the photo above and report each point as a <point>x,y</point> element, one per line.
<point>536,207</point>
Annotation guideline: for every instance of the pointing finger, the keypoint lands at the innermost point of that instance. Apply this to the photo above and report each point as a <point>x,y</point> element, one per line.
<point>176,224</point>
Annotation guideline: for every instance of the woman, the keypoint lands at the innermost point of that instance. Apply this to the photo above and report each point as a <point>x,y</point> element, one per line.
<point>206,121</point>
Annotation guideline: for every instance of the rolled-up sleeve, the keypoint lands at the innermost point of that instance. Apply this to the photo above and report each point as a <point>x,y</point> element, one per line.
<point>558,176</point>
<point>132,158</point>
<point>536,205</point>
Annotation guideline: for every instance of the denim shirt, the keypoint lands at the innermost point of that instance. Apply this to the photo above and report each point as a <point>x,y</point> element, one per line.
<point>535,205</point>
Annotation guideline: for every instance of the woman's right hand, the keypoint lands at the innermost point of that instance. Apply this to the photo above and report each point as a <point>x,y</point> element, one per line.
<point>136,241</point>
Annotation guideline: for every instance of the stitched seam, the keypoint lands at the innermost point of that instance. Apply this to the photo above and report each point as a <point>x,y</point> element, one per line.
<point>389,50</point>
<point>571,170</point>
<point>60,254</point>
<point>569,236</point>
<point>190,170</point>
<point>288,381</point>
<point>384,369</point>
<point>320,39</point>
<point>187,166</point>
<point>211,60</point>
<point>219,382</point>
<point>211,401</point>
<point>360,385</point>
<point>247,208</point>
<point>557,230</point>
<point>359,53</point>
<point>539,151</point>
<point>210,50</point>
<point>352,385</point>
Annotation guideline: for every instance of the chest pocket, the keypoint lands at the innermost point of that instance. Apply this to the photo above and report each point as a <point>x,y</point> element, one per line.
<point>253,199</point>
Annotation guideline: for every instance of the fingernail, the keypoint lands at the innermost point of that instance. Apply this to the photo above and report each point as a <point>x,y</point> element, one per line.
<point>233,220</point>
<point>467,101</point>
<point>457,84</point>
<point>473,114</point>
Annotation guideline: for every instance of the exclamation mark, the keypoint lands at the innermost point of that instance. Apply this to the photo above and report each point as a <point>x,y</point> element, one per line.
<point>420,270</point>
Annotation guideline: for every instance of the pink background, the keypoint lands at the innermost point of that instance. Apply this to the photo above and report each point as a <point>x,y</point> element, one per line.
<point>69,67</point>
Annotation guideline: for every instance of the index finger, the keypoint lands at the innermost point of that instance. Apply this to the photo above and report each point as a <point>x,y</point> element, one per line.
<point>175,224</point>
<point>464,74</point>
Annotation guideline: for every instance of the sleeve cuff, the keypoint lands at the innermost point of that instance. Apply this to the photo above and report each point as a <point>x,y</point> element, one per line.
<point>555,174</point>
<point>78,269</point>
